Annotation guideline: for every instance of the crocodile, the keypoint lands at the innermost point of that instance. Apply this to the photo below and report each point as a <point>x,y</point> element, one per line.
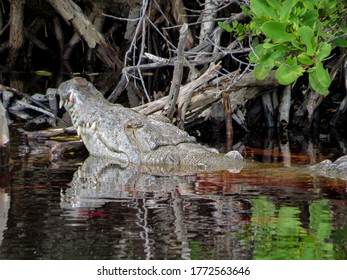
<point>114,132</point>
<point>129,138</point>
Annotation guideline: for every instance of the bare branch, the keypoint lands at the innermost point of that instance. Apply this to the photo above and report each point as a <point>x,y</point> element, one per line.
<point>178,73</point>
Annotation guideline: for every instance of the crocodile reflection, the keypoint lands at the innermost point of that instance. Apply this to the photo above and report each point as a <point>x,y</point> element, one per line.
<point>98,181</point>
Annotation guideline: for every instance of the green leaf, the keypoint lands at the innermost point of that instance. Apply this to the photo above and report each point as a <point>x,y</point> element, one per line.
<point>43,73</point>
<point>340,42</point>
<point>310,18</point>
<point>279,55</point>
<point>262,8</point>
<point>268,57</point>
<point>258,52</point>
<point>299,11</point>
<point>330,4</point>
<point>291,61</point>
<point>306,35</point>
<point>308,5</point>
<point>316,85</point>
<point>277,31</point>
<point>275,4</point>
<point>266,60</point>
<point>286,10</point>
<point>305,59</point>
<point>260,72</point>
<point>225,26</point>
<point>245,10</point>
<point>324,50</point>
<point>343,26</point>
<point>325,35</point>
<point>314,2</point>
<point>286,75</point>
<point>240,30</point>
<point>319,79</point>
<point>297,45</point>
<point>268,46</point>
<point>323,74</point>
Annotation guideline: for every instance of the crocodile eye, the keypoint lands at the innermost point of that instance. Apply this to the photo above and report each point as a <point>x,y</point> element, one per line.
<point>134,123</point>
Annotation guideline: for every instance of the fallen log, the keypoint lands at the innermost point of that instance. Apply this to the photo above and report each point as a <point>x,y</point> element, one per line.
<point>206,90</point>
<point>53,133</point>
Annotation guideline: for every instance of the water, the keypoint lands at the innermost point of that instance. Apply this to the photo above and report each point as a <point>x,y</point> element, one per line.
<point>48,212</point>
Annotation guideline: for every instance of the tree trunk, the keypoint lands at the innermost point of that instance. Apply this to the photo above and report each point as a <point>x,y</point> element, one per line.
<point>16,31</point>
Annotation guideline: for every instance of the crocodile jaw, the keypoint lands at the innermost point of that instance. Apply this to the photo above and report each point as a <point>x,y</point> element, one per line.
<point>68,102</point>
<point>69,105</point>
<point>88,131</point>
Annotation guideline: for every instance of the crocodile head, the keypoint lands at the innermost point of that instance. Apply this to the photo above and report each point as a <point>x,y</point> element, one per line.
<point>88,110</point>
<point>76,93</point>
<point>75,89</point>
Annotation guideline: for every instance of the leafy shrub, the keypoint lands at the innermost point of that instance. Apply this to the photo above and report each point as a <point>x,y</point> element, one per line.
<point>294,37</point>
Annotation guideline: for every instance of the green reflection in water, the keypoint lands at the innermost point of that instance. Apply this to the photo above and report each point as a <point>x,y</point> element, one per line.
<point>279,234</point>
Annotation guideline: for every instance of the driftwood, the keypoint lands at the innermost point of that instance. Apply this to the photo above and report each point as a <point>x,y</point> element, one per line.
<point>205,93</point>
<point>184,93</point>
<point>73,14</point>
<point>51,133</point>
<point>26,101</point>
<point>177,74</point>
<point>187,92</point>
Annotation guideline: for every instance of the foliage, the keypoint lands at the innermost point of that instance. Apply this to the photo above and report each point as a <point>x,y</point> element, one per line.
<point>293,37</point>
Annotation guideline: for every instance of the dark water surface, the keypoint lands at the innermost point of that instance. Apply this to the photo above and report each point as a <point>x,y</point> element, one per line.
<point>48,212</point>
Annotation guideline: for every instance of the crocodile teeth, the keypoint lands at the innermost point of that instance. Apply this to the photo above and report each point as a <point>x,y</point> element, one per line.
<point>93,126</point>
<point>87,125</point>
<point>79,130</point>
<point>71,97</point>
<point>91,180</point>
<point>79,172</point>
<point>61,103</point>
